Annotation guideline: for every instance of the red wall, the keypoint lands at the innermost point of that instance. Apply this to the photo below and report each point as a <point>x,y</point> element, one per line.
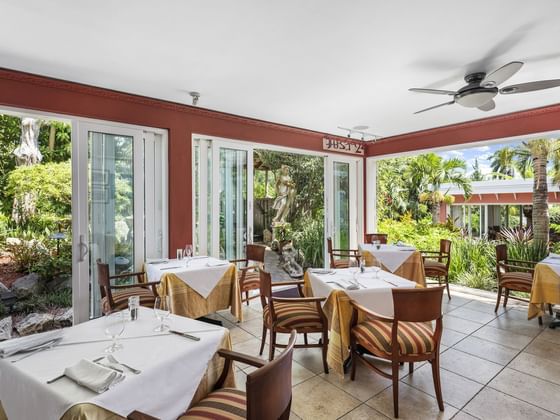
<point>504,198</point>
<point>535,120</point>
<point>38,93</point>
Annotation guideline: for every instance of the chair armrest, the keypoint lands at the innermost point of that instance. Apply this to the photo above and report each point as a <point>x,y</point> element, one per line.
<point>240,357</point>
<point>124,286</point>
<point>430,252</point>
<point>521,261</point>
<point>288,283</point>
<point>243,260</point>
<point>299,300</point>
<point>247,268</point>
<point>123,275</point>
<point>369,312</point>
<point>138,415</point>
<point>514,268</point>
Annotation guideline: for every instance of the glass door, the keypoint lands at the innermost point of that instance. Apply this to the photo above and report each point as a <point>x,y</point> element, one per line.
<point>121,206</point>
<point>344,204</point>
<point>232,199</point>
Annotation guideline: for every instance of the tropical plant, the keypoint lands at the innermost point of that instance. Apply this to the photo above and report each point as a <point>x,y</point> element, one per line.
<point>502,163</point>
<point>477,174</point>
<point>309,240</point>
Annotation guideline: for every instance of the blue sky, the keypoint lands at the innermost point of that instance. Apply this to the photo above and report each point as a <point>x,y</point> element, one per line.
<point>482,153</point>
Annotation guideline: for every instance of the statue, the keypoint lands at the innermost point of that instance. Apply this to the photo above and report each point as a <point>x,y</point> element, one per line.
<point>27,153</point>
<point>285,195</point>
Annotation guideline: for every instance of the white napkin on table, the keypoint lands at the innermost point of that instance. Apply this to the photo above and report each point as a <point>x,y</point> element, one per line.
<point>217,263</point>
<point>15,345</point>
<point>93,376</point>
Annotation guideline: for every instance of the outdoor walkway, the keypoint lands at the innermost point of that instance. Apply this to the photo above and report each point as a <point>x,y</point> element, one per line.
<point>492,367</point>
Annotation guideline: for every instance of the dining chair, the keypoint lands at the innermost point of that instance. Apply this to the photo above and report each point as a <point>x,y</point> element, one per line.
<point>248,275</point>
<point>436,263</point>
<point>267,395</point>
<point>370,237</point>
<point>407,337</point>
<point>114,297</point>
<point>513,275</point>
<point>343,256</point>
<point>281,315</point>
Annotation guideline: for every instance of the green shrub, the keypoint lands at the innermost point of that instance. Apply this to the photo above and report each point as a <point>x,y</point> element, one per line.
<point>309,240</point>
<point>40,302</point>
<point>26,253</point>
<point>421,234</point>
<point>473,263</point>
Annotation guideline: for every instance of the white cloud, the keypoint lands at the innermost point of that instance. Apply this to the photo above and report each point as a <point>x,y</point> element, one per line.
<point>482,148</point>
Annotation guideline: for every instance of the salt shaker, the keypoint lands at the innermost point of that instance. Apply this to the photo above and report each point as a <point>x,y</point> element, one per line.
<point>133,305</point>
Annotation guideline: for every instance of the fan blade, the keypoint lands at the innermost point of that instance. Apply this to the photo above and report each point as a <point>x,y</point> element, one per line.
<point>488,106</point>
<point>434,91</point>
<point>435,106</point>
<point>530,86</point>
<point>502,74</point>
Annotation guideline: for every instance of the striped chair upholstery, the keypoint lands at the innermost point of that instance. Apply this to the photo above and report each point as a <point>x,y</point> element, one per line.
<point>294,315</point>
<point>434,268</point>
<point>248,280</point>
<point>342,263</point>
<point>413,337</point>
<point>120,298</point>
<point>226,404</point>
<point>517,280</point>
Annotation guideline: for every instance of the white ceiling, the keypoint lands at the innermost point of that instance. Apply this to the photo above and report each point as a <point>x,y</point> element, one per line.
<point>315,64</point>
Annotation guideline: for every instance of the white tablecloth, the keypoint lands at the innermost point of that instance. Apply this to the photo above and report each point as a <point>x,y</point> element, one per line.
<point>391,256</point>
<point>202,274</point>
<point>376,296</point>
<point>172,368</point>
<point>553,261</point>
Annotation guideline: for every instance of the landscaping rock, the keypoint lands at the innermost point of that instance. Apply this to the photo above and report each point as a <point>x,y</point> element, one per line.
<point>6,328</point>
<point>65,319</point>
<point>26,285</point>
<point>3,289</point>
<point>63,281</point>
<point>34,323</point>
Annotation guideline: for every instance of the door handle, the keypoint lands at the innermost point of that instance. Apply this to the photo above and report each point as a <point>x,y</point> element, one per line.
<point>83,249</point>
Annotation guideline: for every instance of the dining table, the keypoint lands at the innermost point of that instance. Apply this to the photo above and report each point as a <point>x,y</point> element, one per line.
<point>546,285</point>
<point>403,260</point>
<point>370,288</point>
<point>171,371</point>
<point>198,286</point>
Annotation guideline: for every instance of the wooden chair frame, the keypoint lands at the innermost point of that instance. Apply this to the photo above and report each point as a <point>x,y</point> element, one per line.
<point>268,299</point>
<point>104,280</point>
<point>342,254</point>
<point>262,386</point>
<point>442,256</point>
<point>412,305</point>
<point>370,237</point>
<point>254,253</point>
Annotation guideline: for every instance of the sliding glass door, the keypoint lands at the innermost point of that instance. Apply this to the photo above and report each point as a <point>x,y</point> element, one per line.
<point>121,216</point>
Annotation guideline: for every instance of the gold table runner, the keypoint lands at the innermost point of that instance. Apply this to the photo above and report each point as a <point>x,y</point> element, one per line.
<point>545,289</point>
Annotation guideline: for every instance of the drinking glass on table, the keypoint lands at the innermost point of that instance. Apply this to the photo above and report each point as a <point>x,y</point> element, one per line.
<point>188,253</point>
<point>114,327</point>
<point>162,309</point>
<point>376,268</point>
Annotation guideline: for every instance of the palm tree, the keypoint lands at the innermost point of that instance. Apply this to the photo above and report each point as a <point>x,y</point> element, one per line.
<point>437,171</point>
<point>477,174</point>
<point>502,163</point>
<point>537,153</point>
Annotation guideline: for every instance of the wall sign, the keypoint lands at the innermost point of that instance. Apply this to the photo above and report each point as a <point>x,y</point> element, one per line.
<point>351,148</point>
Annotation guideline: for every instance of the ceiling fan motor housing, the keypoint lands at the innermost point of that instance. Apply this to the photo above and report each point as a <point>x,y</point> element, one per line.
<point>474,95</point>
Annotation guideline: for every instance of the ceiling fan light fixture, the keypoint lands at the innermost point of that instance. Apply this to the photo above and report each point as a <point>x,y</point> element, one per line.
<point>473,98</point>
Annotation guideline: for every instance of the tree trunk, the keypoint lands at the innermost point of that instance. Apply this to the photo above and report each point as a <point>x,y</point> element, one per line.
<point>540,216</point>
<point>435,212</point>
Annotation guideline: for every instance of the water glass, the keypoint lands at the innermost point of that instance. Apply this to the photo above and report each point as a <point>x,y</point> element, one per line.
<point>377,243</point>
<point>376,268</point>
<point>179,254</point>
<point>188,253</point>
<point>114,327</point>
<point>133,305</point>
<point>162,309</point>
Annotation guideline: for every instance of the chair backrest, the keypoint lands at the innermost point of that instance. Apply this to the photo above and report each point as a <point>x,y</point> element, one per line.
<point>103,278</point>
<point>417,305</point>
<point>265,287</point>
<point>255,252</point>
<point>501,258</point>
<point>269,389</point>
<point>370,237</point>
<point>330,251</point>
<point>445,248</point>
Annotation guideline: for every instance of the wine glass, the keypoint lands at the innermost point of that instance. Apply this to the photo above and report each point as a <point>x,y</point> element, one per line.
<point>114,327</point>
<point>376,268</point>
<point>162,309</point>
<point>188,253</point>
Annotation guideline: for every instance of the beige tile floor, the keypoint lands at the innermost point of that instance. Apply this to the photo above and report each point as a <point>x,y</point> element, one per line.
<point>493,366</point>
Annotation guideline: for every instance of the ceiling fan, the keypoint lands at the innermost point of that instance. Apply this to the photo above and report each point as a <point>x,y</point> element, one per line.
<point>481,88</point>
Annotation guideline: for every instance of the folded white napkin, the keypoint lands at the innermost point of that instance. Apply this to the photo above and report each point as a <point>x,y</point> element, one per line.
<point>15,345</point>
<point>93,376</point>
<point>320,271</point>
<point>216,263</point>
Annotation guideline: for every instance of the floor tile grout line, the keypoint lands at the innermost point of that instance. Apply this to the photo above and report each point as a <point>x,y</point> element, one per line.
<point>519,399</point>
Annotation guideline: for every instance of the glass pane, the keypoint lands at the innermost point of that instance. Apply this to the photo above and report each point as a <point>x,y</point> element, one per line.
<point>111,206</point>
<point>233,203</point>
<point>196,172</point>
<point>341,235</point>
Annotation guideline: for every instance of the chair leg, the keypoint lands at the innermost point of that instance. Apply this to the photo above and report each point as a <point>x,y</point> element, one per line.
<point>540,320</point>
<point>447,287</point>
<point>499,298</point>
<point>305,338</point>
<point>411,367</point>
<point>325,349</point>
<point>437,381</point>
<point>247,297</point>
<point>550,311</point>
<point>396,388</point>
<point>506,296</point>
<point>271,345</point>
<point>353,358</point>
<point>263,339</point>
